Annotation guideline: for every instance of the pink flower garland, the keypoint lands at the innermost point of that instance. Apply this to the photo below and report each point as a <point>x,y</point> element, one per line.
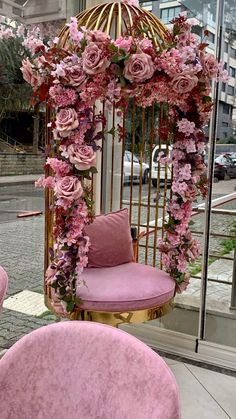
<point>98,68</point>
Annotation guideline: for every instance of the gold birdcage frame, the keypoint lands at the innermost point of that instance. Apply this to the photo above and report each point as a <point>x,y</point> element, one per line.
<point>117,19</point>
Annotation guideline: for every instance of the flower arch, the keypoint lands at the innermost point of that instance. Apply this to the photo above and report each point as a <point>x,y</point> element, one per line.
<point>96,67</point>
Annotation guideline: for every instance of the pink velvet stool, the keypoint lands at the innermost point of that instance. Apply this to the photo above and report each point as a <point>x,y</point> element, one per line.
<point>3,285</point>
<point>84,370</point>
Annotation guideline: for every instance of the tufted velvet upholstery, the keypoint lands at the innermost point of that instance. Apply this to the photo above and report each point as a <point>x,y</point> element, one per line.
<point>130,286</point>
<point>3,285</point>
<point>83,370</point>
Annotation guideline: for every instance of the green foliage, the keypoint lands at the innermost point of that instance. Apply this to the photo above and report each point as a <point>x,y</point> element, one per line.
<point>14,91</point>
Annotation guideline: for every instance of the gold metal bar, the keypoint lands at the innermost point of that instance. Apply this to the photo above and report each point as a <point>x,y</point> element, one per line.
<point>157,195</point>
<point>112,157</point>
<point>110,19</point>
<point>132,158</point>
<point>102,165</point>
<point>102,13</point>
<point>122,165</point>
<point>141,174</point>
<point>150,111</point>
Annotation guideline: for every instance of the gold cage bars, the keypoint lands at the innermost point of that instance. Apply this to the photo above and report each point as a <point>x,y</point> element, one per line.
<point>128,160</point>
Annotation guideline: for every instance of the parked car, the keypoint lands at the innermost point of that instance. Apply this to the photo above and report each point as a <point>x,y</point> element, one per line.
<point>136,168</point>
<point>155,165</point>
<point>232,156</point>
<point>219,169</point>
<point>228,164</point>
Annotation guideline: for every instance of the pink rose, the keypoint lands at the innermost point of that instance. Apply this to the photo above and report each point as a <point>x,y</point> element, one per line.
<point>139,67</point>
<point>66,121</point>
<point>82,156</point>
<point>183,83</point>
<point>209,64</point>
<point>94,61</point>
<point>124,43</point>
<point>29,75</point>
<point>68,187</point>
<point>75,75</point>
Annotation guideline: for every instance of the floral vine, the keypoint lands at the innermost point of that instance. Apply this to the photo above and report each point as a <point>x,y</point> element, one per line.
<point>95,67</point>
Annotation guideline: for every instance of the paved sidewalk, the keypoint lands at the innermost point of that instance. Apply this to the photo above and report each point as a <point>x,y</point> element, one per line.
<point>18,180</point>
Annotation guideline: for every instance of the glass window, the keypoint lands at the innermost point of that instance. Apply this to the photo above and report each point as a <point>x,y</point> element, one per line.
<point>231,90</point>
<point>223,87</point>
<point>233,52</point>
<point>225,124</point>
<point>226,47</point>
<point>211,37</point>
<point>225,66</point>
<point>168,14</point>
<point>225,134</point>
<point>226,108</point>
<point>232,71</point>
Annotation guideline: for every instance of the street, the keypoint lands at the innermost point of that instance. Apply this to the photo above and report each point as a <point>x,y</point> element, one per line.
<point>17,198</point>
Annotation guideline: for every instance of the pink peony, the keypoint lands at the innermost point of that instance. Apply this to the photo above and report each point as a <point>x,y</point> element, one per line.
<point>29,75</point>
<point>82,156</point>
<point>60,167</point>
<point>139,67</point>
<point>94,61</point>
<point>69,188</point>
<point>145,44</point>
<point>183,83</point>
<point>66,121</point>
<point>124,43</point>
<point>131,2</point>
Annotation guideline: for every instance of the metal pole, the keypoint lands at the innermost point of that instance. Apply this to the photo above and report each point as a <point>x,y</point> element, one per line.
<point>212,138</point>
<point>233,290</point>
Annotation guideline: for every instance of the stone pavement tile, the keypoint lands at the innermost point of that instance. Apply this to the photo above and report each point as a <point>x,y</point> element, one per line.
<point>27,302</point>
<point>14,325</point>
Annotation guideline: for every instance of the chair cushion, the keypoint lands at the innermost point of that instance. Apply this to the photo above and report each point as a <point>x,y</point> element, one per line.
<point>3,285</point>
<point>131,286</point>
<point>111,241</point>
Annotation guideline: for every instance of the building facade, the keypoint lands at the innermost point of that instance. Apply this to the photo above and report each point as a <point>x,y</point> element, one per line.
<point>166,10</point>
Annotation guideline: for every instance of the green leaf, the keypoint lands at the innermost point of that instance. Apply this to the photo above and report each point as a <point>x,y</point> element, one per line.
<point>93,170</point>
<point>70,306</point>
<point>206,99</point>
<point>112,131</point>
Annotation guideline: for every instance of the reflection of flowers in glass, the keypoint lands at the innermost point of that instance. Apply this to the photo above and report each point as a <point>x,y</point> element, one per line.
<point>139,67</point>
<point>66,121</point>
<point>94,61</point>
<point>68,187</point>
<point>82,156</point>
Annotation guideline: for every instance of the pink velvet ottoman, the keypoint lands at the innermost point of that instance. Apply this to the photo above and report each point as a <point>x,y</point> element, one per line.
<point>84,370</point>
<point>3,285</point>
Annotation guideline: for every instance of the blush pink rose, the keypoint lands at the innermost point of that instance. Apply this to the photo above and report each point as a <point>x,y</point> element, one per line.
<point>75,75</point>
<point>139,67</point>
<point>184,83</point>
<point>82,156</point>
<point>66,121</point>
<point>209,64</point>
<point>68,187</point>
<point>28,74</point>
<point>94,61</point>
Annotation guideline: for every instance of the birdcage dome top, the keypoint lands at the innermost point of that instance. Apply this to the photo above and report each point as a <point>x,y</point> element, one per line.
<point>117,19</point>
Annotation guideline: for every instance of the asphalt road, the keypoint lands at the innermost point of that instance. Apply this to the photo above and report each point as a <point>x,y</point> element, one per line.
<point>17,198</point>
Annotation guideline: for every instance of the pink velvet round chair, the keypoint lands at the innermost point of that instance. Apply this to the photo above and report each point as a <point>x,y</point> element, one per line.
<point>84,370</point>
<point>3,285</point>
